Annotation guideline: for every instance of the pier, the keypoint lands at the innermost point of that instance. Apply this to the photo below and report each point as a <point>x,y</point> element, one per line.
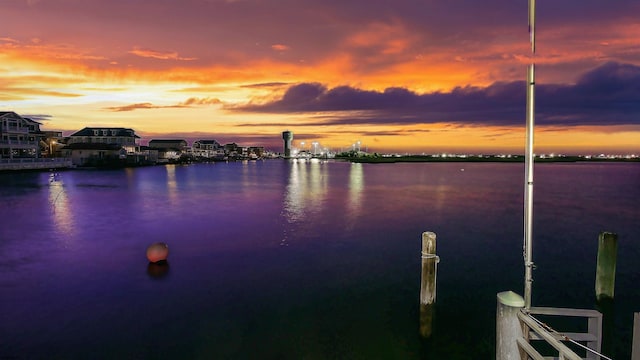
<point>34,164</point>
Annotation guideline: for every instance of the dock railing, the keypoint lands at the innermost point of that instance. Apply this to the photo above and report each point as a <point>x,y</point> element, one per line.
<point>520,334</point>
<point>536,330</point>
<point>34,163</point>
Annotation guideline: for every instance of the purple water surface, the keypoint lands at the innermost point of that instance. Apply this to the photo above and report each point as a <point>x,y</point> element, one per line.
<point>298,259</point>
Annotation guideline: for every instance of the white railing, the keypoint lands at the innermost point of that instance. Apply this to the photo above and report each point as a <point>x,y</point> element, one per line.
<point>34,163</point>
<point>539,331</point>
<point>19,142</point>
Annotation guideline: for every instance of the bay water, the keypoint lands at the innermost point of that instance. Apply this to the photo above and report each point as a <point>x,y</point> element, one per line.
<point>300,259</point>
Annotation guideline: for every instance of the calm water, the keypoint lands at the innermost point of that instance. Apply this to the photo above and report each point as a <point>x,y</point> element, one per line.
<point>299,260</point>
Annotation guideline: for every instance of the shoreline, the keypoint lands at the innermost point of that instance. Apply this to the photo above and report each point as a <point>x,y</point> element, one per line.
<point>481,158</point>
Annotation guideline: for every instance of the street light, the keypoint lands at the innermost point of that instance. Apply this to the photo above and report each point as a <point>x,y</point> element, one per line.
<point>51,144</point>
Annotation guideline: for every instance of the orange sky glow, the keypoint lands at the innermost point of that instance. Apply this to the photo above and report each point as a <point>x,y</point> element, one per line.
<point>415,77</point>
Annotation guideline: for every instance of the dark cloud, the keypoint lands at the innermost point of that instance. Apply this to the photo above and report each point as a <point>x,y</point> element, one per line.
<point>607,95</point>
<point>38,117</point>
<point>266,85</point>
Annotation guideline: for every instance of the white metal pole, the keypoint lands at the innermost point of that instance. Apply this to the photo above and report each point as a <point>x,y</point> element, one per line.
<point>529,160</point>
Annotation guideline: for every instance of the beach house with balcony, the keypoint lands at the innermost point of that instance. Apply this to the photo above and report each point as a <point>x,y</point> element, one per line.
<point>23,146</point>
<point>207,150</point>
<point>19,137</point>
<point>93,146</point>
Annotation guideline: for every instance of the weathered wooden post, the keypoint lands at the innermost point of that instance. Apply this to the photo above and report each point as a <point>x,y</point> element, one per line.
<point>606,265</point>
<point>635,347</point>
<point>508,328</point>
<point>428,282</point>
<point>605,285</point>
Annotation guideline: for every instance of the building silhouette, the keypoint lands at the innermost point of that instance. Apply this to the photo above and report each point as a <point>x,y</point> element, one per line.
<point>287,136</point>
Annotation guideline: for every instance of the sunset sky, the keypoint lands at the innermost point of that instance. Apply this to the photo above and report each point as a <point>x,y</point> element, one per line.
<point>397,75</point>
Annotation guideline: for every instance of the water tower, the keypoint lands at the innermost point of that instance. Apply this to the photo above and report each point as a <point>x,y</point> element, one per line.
<point>287,136</point>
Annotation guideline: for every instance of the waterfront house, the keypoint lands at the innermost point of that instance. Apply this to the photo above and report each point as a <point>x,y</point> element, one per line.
<point>207,150</point>
<point>169,150</point>
<point>150,154</point>
<point>19,137</point>
<point>124,137</point>
<point>23,146</point>
<point>51,143</point>
<point>94,146</point>
<point>232,151</point>
<point>255,152</point>
<point>95,154</point>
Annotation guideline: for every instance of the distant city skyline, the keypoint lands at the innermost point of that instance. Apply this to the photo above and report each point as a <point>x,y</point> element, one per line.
<point>401,77</point>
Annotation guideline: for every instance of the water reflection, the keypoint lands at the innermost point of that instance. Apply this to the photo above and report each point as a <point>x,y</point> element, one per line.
<point>131,177</point>
<point>172,185</point>
<point>306,190</point>
<point>293,209</point>
<point>441,191</point>
<point>317,185</point>
<point>356,185</point>
<point>60,209</point>
<point>158,270</point>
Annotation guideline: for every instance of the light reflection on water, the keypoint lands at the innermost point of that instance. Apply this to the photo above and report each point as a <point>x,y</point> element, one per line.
<point>299,259</point>
<point>294,198</point>
<point>356,186</point>
<point>305,196</point>
<point>172,186</point>
<point>60,206</point>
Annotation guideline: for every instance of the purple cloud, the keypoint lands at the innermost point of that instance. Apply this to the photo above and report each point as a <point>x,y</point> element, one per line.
<point>607,95</point>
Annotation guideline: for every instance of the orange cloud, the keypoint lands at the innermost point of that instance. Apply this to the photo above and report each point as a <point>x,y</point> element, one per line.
<point>159,55</point>
<point>147,105</point>
<point>35,53</point>
<point>280,47</point>
<point>382,44</point>
<point>201,101</point>
<point>133,107</point>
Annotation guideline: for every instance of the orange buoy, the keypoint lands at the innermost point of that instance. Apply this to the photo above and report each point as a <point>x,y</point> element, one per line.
<point>157,252</point>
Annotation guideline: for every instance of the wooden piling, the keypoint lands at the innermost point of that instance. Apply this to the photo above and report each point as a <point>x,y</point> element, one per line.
<point>606,265</point>
<point>429,262</point>
<point>508,328</point>
<point>428,282</point>
<point>635,347</point>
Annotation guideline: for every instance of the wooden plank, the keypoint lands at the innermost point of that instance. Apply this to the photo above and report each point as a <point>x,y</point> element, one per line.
<point>572,336</point>
<point>563,350</point>
<point>565,312</point>
<point>533,353</point>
